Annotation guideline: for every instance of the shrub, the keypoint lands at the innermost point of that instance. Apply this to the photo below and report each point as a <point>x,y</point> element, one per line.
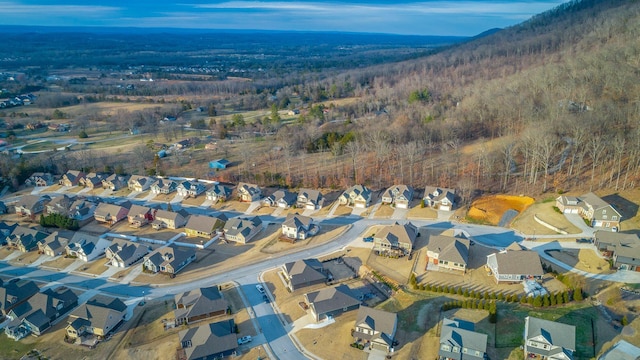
<point>577,294</point>
<point>83,134</point>
<point>624,321</point>
<point>465,293</point>
<point>556,209</point>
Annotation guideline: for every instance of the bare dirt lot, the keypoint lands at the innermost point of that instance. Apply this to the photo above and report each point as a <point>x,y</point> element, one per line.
<point>490,209</point>
<point>526,224</point>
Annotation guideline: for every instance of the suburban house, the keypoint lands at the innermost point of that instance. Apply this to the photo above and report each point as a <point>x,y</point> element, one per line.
<point>242,230</point>
<point>623,249</point>
<point>377,328</point>
<point>621,350</point>
<point>459,341</point>
<point>548,339</point>
<point>439,198</point>
<point>448,252</point>
<point>15,293</point>
<point>92,180</point>
<point>169,219</point>
<point>198,304</point>
<point>190,188</point>
<point>298,227</point>
<point>99,316</point>
<point>591,207</point>
<point>53,245</point>
<point>515,264</point>
<point>24,239</point>
<point>302,273</point>
<point>281,198</point>
<point>110,213</point>
<point>219,164</point>
<point>139,216</point>
<point>310,199</point>
<point>115,182</point>
<point>60,205</point>
<point>398,195</point>
<point>395,240</point>
<point>140,183</point>
<point>357,196</point>
<point>332,301</point>
<point>40,179</point>
<point>248,192</point>
<point>86,247</point>
<point>36,315</point>
<point>124,253</point>
<point>30,205</point>
<point>164,186</point>
<point>211,341</point>
<point>6,230</point>
<point>204,226</point>
<point>169,259</point>
<point>218,192</point>
<point>3,208</point>
<point>71,178</point>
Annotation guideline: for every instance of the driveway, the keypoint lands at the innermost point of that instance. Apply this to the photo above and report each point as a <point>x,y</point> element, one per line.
<point>577,220</point>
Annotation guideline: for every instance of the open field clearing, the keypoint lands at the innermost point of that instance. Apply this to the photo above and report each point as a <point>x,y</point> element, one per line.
<point>490,209</point>
<point>526,224</point>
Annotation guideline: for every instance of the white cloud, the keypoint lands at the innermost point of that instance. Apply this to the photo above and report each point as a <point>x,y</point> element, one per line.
<point>17,9</point>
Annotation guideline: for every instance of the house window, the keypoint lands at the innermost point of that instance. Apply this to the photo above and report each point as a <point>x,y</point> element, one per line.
<point>444,347</point>
<point>614,217</point>
<point>455,349</point>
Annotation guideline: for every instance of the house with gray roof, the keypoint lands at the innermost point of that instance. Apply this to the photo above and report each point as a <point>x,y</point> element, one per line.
<point>3,208</point>
<point>30,205</point>
<point>600,214</point>
<point>204,226</point>
<point>92,180</point>
<point>60,205</point>
<point>248,192</point>
<point>219,192</point>
<point>357,196</point>
<point>281,198</point>
<point>124,253</point>
<point>459,341</point>
<point>40,179</point>
<point>198,304</point>
<point>331,302</point>
<point>310,199</point>
<point>169,259</point>
<point>302,273</point>
<point>24,239</point>
<point>190,188</point>
<point>548,339</point>
<point>71,178</point>
<point>398,195</point>
<point>140,183</point>
<point>164,186</point>
<point>14,293</point>
<point>242,229</point>
<point>376,328</point>
<point>439,198</point>
<point>53,245</point>
<point>299,227</point>
<point>448,252</point>
<point>622,248</point>
<point>86,247</point>
<point>99,316</point>
<point>622,350</point>
<point>515,264</point>
<point>211,341</point>
<point>115,182</point>
<point>36,315</point>
<point>395,240</point>
<point>169,219</point>
<point>110,213</point>
<point>5,230</point>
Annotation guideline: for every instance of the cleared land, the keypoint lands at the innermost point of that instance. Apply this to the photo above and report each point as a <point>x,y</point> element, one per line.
<point>490,209</point>
<point>526,224</point>
<point>583,259</point>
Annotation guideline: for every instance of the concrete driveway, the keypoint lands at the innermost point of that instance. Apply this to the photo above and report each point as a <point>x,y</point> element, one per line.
<point>577,220</point>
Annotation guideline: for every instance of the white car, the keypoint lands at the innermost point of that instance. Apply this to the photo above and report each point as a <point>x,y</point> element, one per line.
<point>244,340</point>
<point>260,288</point>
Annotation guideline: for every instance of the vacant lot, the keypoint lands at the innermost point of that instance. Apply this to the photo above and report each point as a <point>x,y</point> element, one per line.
<point>327,232</point>
<point>526,224</point>
<point>384,212</point>
<point>418,212</point>
<point>583,259</point>
<point>490,209</point>
<point>332,341</point>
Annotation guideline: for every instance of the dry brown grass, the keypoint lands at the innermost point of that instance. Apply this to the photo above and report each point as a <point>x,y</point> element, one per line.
<point>26,258</point>
<point>194,201</point>
<point>327,233</point>
<point>232,205</point>
<point>96,267</point>
<point>263,210</point>
<point>342,211</point>
<point>422,213</point>
<point>4,252</point>
<point>287,301</point>
<point>332,342</point>
<point>583,259</point>
<point>491,208</point>
<point>59,263</point>
<point>384,212</point>
<point>526,224</point>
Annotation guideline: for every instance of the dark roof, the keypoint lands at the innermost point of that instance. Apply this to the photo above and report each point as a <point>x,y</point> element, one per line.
<point>379,321</point>
<point>557,334</point>
<point>304,271</point>
<point>331,299</point>
<point>207,340</point>
<point>450,248</point>
<point>15,292</point>
<point>455,335</point>
<point>199,302</point>
<point>202,223</point>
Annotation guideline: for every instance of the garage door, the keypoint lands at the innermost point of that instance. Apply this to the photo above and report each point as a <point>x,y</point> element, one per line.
<point>360,205</point>
<point>401,206</point>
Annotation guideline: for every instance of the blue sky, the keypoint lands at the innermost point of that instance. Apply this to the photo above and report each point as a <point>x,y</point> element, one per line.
<point>425,17</point>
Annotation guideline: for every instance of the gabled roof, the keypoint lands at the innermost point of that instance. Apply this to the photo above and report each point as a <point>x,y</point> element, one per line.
<point>198,302</point>
<point>106,210</point>
<point>208,339</point>
<point>98,309</point>
<point>452,249</point>
<point>622,244</point>
<point>332,298</point>
<point>128,250</point>
<point>171,215</point>
<point>358,190</point>
<point>555,333</point>
<point>524,262</point>
<point>399,190</point>
<point>165,184</point>
<point>297,221</point>
<point>622,350</point>
<point>142,180</point>
<point>304,271</point>
<point>73,175</point>
<point>379,321</point>
<point>438,194</point>
<point>170,255</point>
<point>311,195</point>
<point>248,188</point>
<point>283,195</point>
<point>220,189</point>
<point>398,234</point>
<point>83,243</point>
<point>202,223</point>
<point>42,307</point>
<point>15,292</point>
<point>241,225</point>
<point>29,201</point>
<point>55,242</point>
<point>138,210</point>
<point>455,335</point>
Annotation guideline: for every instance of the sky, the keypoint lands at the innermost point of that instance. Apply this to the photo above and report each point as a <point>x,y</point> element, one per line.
<point>420,17</point>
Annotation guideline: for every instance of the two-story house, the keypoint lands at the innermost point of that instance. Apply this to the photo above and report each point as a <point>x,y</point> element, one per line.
<point>164,186</point>
<point>139,216</point>
<point>281,198</point>
<point>86,247</point>
<point>302,273</point>
<point>398,195</point>
<point>31,205</point>
<point>199,304</point>
<point>546,339</point>
<point>190,188</point>
<point>169,219</point>
<point>140,183</point>
<point>204,226</point>
<point>357,196</point>
<point>515,264</point>
<point>459,341</point>
<point>310,199</point>
<point>99,317</point>
<point>169,259</point>
<point>124,253</point>
<point>219,192</point>
<point>439,198</point>
<point>622,248</point>
<point>242,229</point>
<point>71,178</point>
<point>377,328</point>
<point>248,192</point>
<point>110,213</point>
<point>298,227</point>
<point>448,252</point>
<point>395,240</point>
<point>115,182</point>
<point>598,212</point>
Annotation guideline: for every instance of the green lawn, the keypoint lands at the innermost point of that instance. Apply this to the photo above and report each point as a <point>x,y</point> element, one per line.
<point>10,349</point>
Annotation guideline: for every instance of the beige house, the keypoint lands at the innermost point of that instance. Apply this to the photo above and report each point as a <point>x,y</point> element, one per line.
<point>448,252</point>
<point>398,195</point>
<point>600,214</point>
<point>439,198</point>
<point>395,240</point>
<point>53,245</point>
<point>242,230</point>
<point>115,182</point>
<point>515,264</point>
<point>30,205</point>
<point>249,192</point>
<point>99,317</point>
<point>310,199</point>
<point>204,226</point>
<point>110,213</point>
<point>357,196</point>
<point>376,328</point>
<point>71,178</point>
<point>140,183</point>
<point>169,219</point>
<point>298,227</point>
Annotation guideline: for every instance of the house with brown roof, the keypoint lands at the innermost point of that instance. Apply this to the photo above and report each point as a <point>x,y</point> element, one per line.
<point>398,195</point>
<point>40,179</point>
<point>140,183</point>
<point>395,240</point>
<point>299,227</point>
<point>219,192</point>
<point>164,186</point>
<point>302,273</point>
<point>242,229</point>
<point>281,198</point>
<point>199,304</point>
<point>248,192</point>
<point>376,328</point>
<point>598,212</point>
<point>30,205</point>
<point>110,213</point>
<point>53,245</point>
<point>357,196</point>
<point>124,253</point>
<point>204,226</point>
<point>331,302</point>
<point>139,216</point>
<point>310,199</point>
<point>211,341</point>
<point>115,182</point>
<point>448,252</point>
<point>59,205</point>
<point>99,316</point>
<point>622,248</point>
<point>515,264</point>
<point>169,259</point>
<point>169,219</point>
<point>71,178</point>
<point>439,198</point>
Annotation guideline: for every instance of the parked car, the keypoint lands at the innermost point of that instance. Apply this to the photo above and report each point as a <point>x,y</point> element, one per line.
<point>583,241</point>
<point>367,239</point>
<point>244,340</point>
<point>265,298</point>
<point>260,288</point>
